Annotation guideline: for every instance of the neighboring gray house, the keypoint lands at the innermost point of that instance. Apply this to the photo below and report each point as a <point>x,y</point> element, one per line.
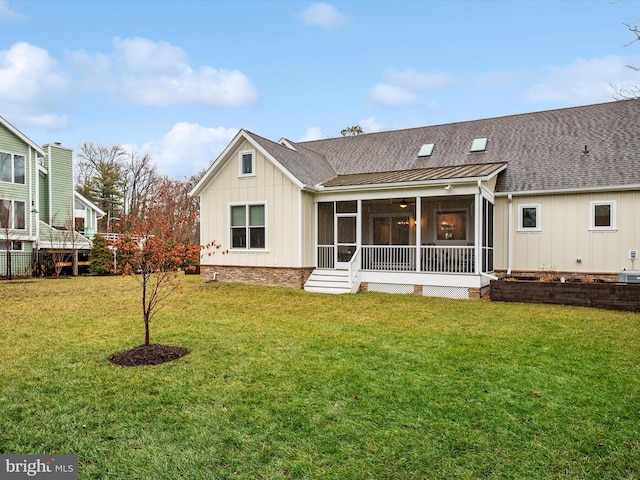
<point>437,210</point>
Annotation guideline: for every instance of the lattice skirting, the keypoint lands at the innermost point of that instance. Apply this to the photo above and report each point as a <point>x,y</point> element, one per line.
<point>460,293</point>
<point>390,288</point>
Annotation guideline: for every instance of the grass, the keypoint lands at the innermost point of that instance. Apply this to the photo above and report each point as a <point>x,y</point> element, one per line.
<point>282,384</point>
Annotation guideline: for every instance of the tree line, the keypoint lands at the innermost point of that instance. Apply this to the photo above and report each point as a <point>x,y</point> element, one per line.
<point>126,184</point>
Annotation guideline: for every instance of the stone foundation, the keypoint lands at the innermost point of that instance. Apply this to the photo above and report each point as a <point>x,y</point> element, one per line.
<point>268,276</point>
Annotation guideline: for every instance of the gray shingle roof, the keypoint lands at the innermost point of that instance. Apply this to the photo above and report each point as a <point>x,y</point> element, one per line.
<point>306,165</point>
<point>543,150</point>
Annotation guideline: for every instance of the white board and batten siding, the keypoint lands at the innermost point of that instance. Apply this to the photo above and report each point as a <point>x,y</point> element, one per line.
<point>565,240</point>
<point>282,200</point>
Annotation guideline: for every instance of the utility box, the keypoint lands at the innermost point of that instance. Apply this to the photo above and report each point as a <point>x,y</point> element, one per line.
<point>629,276</point>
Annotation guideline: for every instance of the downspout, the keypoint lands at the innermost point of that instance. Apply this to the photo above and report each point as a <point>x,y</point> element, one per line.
<point>509,236</point>
<point>479,231</point>
<point>300,230</point>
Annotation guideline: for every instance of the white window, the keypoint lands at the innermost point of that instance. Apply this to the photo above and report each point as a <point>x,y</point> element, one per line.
<point>12,168</point>
<point>12,214</point>
<point>529,218</point>
<point>14,245</point>
<point>247,164</point>
<point>603,215</point>
<point>248,227</point>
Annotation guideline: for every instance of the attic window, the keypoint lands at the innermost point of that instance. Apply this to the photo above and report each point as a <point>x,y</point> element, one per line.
<point>247,164</point>
<point>426,150</point>
<point>479,144</point>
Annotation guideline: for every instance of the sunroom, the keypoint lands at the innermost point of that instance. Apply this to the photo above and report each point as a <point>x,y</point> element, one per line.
<point>424,233</point>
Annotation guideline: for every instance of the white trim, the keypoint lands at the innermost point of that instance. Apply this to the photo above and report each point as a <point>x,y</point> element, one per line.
<point>247,249</point>
<point>592,217</point>
<point>22,136</point>
<point>223,158</point>
<point>606,188</point>
<point>89,203</point>
<point>300,228</point>
<point>509,234</point>
<point>241,154</point>
<point>538,228</point>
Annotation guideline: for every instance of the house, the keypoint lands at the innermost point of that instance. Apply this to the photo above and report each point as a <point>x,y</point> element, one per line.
<point>39,209</point>
<point>435,211</point>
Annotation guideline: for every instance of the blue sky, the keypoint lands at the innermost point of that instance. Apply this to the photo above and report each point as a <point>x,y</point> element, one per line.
<point>177,79</point>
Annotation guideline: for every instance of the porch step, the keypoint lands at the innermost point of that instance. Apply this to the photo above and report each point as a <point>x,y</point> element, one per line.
<point>328,281</point>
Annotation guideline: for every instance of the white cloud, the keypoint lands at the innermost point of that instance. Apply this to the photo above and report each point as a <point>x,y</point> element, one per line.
<point>393,96</point>
<point>145,72</point>
<point>370,125</point>
<point>188,148</point>
<point>401,88</point>
<point>583,81</point>
<point>30,85</point>
<point>323,15</point>
<point>312,133</point>
<point>7,14</point>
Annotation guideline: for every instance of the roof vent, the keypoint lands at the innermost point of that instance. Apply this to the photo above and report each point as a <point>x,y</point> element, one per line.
<point>479,144</point>
<point>426,150</point>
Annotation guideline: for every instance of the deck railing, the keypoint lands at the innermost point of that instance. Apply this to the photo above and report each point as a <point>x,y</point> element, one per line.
<point>389,258</point>
<point>403,258</point>
<point>447,259</point>
<point>326,256</point>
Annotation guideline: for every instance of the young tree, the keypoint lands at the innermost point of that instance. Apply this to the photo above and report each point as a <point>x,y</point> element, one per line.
<point>153,252</point>
<point>172,202</point>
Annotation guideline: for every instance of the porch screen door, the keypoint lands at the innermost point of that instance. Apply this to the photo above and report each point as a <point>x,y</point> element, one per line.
<point>346,232</point>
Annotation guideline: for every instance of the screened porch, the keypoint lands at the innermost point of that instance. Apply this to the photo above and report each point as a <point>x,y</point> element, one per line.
<point>445,234</point>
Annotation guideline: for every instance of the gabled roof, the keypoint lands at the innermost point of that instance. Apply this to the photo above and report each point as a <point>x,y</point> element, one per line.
<point>51,238</point>
<point>22,136</point>
<point>304,169</point>
<point>306,165</point>
<point>588,147</point>
<point>88,203</point>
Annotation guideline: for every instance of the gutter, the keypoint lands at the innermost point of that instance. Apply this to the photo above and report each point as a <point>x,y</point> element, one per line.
<point>607,188</point>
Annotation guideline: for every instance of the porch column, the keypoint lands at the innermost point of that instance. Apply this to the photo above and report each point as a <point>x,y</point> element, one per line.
<point>418,232</point>
<point>479,232</point>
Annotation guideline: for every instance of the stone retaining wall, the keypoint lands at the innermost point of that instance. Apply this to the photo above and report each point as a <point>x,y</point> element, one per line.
<point>613,296</point>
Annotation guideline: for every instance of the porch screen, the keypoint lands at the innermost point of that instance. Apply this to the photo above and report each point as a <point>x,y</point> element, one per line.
<point>487,236</point>
<point>325,223</point>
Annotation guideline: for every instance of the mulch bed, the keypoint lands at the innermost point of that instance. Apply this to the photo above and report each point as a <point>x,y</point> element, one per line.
<point>152,354</point>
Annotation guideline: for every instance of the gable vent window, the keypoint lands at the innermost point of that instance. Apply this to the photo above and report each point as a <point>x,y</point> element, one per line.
<point>426,150</point>
<point>479,144</point>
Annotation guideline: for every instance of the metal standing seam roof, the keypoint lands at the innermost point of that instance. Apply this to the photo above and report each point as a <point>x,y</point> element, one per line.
<point>416,175</point>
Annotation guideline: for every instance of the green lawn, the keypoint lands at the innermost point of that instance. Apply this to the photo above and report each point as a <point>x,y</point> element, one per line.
<point>284,384</point>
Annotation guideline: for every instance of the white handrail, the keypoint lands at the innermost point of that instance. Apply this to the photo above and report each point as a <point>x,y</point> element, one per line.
<point>354,266</point>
